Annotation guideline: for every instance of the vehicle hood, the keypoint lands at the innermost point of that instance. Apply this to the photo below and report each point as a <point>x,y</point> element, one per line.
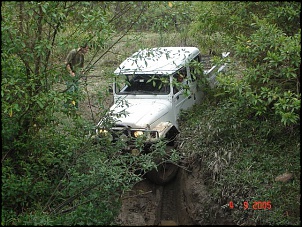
<point>139,113</point>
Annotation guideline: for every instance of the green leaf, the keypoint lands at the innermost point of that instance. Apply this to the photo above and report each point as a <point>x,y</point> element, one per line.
<point>40,104</point>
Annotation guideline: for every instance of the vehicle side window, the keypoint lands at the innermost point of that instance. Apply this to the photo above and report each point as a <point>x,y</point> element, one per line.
<point>179,80</point>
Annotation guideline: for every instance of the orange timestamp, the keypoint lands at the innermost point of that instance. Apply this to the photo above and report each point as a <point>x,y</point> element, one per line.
<point>256,205</point>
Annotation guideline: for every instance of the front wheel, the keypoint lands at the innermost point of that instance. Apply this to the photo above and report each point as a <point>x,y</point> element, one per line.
<point>165,171</point>
<point>164,174</point>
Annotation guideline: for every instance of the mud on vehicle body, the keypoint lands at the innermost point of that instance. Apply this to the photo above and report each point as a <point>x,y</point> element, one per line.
<point>150,90</point>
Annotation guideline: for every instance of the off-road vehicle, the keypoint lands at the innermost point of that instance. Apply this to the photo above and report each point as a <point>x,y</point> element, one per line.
<point>150,90</point>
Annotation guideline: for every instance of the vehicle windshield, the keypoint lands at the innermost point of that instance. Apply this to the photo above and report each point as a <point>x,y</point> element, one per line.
<point>142,84</point>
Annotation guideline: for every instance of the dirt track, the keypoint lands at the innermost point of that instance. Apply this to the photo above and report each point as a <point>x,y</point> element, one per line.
<point>184,201</point>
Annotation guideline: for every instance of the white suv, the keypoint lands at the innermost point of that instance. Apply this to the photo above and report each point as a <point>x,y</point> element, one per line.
<point>150,89</point>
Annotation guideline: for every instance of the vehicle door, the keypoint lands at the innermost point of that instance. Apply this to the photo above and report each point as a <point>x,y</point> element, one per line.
<point>182,97</point>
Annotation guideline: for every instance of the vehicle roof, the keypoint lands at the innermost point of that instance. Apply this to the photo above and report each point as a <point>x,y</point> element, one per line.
<point>159,60</point>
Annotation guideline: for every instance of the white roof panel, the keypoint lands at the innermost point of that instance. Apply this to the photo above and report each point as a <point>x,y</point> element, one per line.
<point>161,60</point>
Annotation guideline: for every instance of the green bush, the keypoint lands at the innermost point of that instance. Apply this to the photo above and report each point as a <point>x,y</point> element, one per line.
<point>266,55</point>
<point>241,157</point>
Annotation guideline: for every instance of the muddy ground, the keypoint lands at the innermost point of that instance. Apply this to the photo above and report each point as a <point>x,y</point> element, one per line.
<point>184,201</point>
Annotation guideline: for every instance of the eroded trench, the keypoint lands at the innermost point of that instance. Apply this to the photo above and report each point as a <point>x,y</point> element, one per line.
<point>183,201</point>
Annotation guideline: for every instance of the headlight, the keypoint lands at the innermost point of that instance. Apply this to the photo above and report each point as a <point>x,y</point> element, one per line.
<point>103,131</point>
<point>138,133</point>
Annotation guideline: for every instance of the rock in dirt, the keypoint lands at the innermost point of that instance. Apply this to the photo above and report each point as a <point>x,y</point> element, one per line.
<point>285,177</point>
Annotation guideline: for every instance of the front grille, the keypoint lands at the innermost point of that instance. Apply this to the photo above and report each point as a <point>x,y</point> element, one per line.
<point>119,130</point>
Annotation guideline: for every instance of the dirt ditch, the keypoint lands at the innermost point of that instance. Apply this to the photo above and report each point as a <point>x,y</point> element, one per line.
<point>184,201</point>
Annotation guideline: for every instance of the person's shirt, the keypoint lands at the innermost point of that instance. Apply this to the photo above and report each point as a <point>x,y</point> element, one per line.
<point>75,59</point>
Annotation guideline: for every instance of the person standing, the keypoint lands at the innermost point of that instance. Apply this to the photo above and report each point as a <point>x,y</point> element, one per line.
<point>74,64</point>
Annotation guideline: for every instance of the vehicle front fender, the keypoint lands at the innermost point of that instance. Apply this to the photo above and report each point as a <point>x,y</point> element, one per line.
<point>166,130</point>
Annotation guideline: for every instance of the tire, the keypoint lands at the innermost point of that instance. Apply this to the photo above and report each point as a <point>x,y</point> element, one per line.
<point>165,173</point>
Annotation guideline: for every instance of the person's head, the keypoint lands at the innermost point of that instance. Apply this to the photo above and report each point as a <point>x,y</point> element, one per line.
<point>180,78</point>
<point>84,48</point>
